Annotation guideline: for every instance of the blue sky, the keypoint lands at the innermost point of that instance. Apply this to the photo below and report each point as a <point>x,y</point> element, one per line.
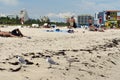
<point>57,8</point>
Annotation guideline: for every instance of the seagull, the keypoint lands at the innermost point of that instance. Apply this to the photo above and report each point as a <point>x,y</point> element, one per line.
<point>71,60</point>
<point>51,61</point>
<point>21,60</point>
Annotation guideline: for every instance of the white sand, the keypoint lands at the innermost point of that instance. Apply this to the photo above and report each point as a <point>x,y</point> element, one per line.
<point>98,58</point>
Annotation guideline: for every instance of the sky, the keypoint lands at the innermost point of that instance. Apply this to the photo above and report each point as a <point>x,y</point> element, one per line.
<point>57,9</point>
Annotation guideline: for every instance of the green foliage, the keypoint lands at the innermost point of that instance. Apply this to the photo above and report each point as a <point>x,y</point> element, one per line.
<point>59,23</point>
<point>44,19</point>
<point>16,21</point>
<point>11,21</point>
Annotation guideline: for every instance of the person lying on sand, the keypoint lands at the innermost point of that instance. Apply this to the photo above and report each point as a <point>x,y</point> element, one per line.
<point>13,33</point>
<point>93,28</point>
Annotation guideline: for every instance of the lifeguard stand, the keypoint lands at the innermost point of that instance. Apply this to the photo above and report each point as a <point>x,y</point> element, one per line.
<point>111,18</point>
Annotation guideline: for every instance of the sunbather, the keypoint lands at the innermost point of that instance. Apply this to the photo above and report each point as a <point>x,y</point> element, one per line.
<point>93,28</point>
<point>13,33</point>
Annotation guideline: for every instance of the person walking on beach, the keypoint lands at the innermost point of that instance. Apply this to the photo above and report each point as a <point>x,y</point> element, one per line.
<point>90,21</point>
<point>68,22</point>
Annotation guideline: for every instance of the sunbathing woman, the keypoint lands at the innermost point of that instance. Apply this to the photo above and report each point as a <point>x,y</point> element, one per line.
<point>13,33</point>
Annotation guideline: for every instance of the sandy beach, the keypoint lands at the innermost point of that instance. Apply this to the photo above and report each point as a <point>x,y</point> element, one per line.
<point>97,55</point>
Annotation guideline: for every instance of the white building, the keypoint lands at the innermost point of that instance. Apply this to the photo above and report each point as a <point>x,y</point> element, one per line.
<point>96,19</point>
<point>2,15</point>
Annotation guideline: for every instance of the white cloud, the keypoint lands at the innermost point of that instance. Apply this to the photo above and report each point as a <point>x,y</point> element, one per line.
<point>9,2</point>
<point>61,15</point>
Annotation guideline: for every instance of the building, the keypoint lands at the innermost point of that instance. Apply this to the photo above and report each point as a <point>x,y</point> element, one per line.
<point>96,19</point>
<point>108,18</point>
<point>84,20</point>
<point>118,19</point>
<point>100,18</point>
<point>2,15</point>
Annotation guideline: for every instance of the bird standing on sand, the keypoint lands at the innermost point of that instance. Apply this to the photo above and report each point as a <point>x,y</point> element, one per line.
<point>71,60</point>
<point>21,60</point>
<point>51,61</point>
